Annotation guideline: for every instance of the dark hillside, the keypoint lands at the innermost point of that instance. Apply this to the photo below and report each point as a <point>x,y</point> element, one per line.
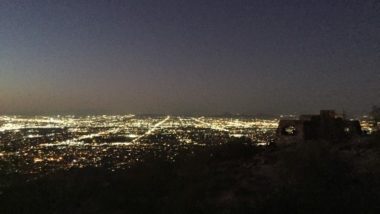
<point>315,177</point>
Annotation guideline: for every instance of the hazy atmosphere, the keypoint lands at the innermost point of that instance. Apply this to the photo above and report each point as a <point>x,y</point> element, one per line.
<point>176,56</point>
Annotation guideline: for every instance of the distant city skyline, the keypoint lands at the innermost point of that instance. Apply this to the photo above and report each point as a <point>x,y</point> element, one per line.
<point>189,57</point>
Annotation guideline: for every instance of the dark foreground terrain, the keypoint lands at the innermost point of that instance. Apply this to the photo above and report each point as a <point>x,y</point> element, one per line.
<point>314,177</point>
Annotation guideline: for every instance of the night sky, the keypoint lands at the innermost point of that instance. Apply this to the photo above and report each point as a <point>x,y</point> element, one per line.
<point>193,56</point>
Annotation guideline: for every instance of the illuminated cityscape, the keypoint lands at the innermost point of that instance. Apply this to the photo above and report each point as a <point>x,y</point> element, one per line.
<point>45,144</point>
<point>197,106</point>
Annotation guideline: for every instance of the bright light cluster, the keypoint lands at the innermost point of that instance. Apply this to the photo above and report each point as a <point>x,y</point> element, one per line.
<point>44,144</point>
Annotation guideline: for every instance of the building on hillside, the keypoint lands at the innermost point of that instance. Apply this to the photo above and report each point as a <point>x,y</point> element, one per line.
<point>325,126</point>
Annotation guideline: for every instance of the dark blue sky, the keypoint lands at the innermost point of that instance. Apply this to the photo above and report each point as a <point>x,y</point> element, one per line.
<point>177,56</point>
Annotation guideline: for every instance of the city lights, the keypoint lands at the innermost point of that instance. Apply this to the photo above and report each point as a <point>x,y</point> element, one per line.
<point>45,144</point>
